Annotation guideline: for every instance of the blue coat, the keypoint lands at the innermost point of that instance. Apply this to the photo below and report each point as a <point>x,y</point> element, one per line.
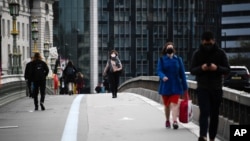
<point>172,68</point>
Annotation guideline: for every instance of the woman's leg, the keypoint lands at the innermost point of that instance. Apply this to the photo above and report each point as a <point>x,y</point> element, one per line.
<point>175,110</point>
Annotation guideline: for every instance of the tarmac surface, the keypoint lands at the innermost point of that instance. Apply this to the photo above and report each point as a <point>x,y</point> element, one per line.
<point>90,117</point>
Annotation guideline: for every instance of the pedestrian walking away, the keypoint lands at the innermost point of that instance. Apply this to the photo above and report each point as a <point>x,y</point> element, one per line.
<point>173,84</point>
<point>70,75</point>
<point>112,70</point>
<point>55,79</point>
<point>39,73</point>
<point>209,64</point>
<point>80,84</point>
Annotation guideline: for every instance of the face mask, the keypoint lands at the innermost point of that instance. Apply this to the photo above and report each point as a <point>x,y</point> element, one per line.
<point>170,50</point>
<point>113,55</point>
<point>208,47</point>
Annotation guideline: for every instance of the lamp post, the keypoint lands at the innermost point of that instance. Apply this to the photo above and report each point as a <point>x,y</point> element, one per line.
<point>35,34</point>
<point>46,50</point>
<point>14,12</point>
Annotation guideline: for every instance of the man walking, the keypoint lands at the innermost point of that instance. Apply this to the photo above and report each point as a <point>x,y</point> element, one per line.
<point>40,71</point>
<point>209,64</point>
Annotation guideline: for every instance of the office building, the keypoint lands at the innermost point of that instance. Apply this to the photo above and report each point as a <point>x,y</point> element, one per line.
<point>137,29</point>
<point>236,27</point>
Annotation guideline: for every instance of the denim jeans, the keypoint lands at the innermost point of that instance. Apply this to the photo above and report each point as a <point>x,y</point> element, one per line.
<point>209,101</point>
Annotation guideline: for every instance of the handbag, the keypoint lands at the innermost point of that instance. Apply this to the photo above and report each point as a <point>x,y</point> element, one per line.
<point>185,112</point>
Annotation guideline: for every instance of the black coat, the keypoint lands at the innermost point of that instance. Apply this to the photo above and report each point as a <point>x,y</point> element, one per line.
<point>209,79</point>
<point>40,70</point>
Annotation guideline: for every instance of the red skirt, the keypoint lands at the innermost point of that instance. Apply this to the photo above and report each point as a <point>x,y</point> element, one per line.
<point>167,99</point>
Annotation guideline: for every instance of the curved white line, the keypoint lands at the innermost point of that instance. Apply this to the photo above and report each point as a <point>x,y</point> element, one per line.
<point>71,126</point>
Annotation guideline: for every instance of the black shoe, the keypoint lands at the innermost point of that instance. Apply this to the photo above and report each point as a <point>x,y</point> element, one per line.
<point>42,106</point>
<point>202,139</point>
<point>36,108</point>
<point>175,125</point>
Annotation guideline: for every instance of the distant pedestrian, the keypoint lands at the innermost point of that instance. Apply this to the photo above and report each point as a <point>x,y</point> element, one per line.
<point>55,79</point>
<point>80,84</point>
<point>27,77</point>
<point>173,82</point>
<point>209,64</point>
<point>70,75</point>
<point>112,70</point>
<point>39,73</point>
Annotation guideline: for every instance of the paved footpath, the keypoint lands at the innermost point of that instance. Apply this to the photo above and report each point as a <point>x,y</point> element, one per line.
<point>91,117</point>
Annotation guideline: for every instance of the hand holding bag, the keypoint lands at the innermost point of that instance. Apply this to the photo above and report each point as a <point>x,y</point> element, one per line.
<point>186,112</point>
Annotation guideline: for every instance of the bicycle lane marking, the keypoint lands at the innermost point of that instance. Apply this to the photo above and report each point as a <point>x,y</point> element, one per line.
<point>71,126</point>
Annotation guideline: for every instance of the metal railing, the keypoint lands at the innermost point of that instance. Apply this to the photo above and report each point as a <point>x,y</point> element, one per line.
<point>235,106</point>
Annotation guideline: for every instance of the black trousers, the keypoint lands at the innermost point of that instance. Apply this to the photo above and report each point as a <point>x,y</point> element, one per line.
<point>209,101</point>
<point>39,85</point>
<point>114,82</point>
<point>29,83</point>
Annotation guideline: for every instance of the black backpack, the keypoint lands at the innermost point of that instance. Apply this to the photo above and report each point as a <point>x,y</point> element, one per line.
<point>39,72</point>
<point>70,71</point>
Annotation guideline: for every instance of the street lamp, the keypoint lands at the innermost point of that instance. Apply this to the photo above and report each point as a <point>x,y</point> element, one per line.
<point>35,34</point>
<point>46,50</point>
<point>14,12</point>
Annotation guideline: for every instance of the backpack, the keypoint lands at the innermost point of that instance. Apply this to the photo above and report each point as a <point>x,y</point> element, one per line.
<point>39,71</point>
<point>70,71</point>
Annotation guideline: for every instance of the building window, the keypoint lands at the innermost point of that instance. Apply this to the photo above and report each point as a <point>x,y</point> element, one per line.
<point>3,27</point>
<point>18,29</point>
<point>28,31</point>
<point>8,27</point>
<point>23,31</point>
<point>23,53</point>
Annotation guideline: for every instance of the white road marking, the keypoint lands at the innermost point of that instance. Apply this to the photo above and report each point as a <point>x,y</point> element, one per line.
<point>6,127</point>
<point>126,118</point>
<point>71,126</point>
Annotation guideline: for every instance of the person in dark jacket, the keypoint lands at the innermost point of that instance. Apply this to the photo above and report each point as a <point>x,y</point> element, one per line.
<point>27,77</point>
<point>209,64</point>
<point>39,73</point>
<point>70,75</point>
<point>173,83</point>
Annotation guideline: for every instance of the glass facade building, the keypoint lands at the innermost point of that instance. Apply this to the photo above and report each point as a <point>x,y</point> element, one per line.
<point>137,29</point>
<point>73,37</point>
<point>235,26</point>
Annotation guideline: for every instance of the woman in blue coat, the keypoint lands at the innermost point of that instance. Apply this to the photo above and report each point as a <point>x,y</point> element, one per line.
<point>173,82</point>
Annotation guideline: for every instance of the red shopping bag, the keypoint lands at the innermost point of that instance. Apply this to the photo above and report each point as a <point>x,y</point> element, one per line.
<point>186,113</point>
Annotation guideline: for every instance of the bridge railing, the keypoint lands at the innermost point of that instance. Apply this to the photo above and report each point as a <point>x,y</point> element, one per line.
<point>235,107</point>
<point>13,87</point>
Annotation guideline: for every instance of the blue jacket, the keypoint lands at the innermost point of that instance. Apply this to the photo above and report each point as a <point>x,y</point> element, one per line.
<point>175,71</point>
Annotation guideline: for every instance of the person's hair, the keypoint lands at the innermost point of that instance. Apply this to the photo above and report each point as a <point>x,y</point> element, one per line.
<point>163,51</point>
<point>70,63</point>
<point>37,56</point>
<point>113,51</point>
<point>207,35</point>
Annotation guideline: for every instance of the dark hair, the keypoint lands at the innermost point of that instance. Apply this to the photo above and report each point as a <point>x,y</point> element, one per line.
<point>113,51</point>
<point>207,35</point>
<point>70,63</point>
<point>37,56</point>
<point>163,51</point>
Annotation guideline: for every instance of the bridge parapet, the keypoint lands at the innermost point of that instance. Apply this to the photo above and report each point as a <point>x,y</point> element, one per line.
<point>235,107</point>
<point>13,87</point>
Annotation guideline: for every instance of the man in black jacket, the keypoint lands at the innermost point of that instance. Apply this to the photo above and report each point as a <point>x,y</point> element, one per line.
<point>209,64</point>
<point>40,71</point>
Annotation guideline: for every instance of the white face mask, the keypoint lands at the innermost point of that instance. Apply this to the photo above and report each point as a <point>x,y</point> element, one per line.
<point>113,55</point>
